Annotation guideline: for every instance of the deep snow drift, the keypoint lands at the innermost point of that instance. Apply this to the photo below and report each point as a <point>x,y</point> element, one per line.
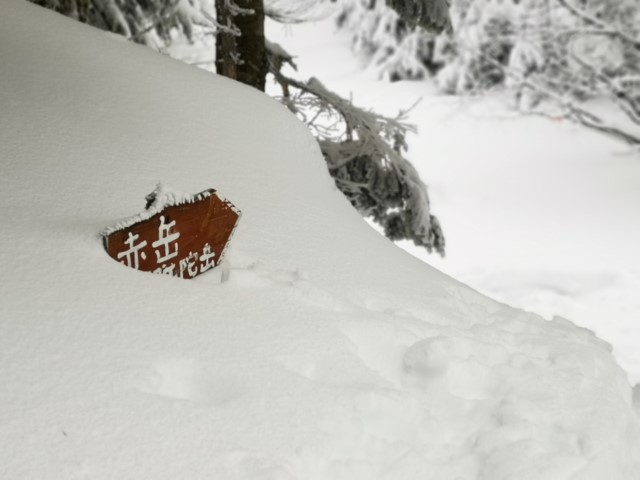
<point>538,212</point>
<point>329,353</point>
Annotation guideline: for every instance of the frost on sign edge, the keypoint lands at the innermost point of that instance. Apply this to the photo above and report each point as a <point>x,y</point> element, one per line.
<point>178,234</point>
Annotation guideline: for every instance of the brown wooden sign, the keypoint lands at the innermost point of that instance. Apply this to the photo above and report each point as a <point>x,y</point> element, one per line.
<point>183,238</point>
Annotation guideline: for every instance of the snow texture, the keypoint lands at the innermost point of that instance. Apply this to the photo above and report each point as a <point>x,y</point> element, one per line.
<point>532,205</point>
<point>329,353</point>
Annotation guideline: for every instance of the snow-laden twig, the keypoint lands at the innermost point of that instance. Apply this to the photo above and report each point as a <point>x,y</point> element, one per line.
<point>574,112</point>
<point>167,11</point>
<point>600,25</point>
<point>364,154</point>
<point>299,11</point>
<point>229,28</point>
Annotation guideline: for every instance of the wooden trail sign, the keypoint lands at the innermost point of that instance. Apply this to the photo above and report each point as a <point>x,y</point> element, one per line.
<point>177,235</point>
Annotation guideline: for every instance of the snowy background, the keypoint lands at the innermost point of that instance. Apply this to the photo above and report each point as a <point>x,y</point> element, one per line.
<point>329,353</point>
<point>538,212</point>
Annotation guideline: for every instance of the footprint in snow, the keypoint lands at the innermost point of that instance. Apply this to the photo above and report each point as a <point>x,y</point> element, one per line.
<point>448,365</point>
<point>428,358</point>
<point>189,380</point>
<point>254,274</point>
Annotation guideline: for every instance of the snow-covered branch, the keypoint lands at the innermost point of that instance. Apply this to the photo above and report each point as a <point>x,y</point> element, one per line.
<point>364,154</point>
<point>570,106</point>
<point>601,26</point>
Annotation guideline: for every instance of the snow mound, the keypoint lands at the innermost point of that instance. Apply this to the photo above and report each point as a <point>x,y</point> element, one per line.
<point>329,353</point>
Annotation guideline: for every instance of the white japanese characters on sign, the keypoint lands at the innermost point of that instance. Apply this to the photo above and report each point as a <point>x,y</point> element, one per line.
<point>182,238</point>
<point>166,247</point>
<point>133,254</point>
<point>165,239</point>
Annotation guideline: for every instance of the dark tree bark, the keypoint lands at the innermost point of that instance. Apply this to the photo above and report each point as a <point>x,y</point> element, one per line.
<point>242,57</point>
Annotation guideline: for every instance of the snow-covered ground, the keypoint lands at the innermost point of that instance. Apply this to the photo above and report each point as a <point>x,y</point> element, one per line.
<point>538,213</point>
<point>329,354</point>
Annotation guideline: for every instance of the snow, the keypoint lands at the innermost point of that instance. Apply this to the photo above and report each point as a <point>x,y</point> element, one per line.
<point>537,212</point>
<point>328,354</point>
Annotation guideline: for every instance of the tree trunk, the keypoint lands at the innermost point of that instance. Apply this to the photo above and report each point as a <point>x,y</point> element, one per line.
<point>243,57</point>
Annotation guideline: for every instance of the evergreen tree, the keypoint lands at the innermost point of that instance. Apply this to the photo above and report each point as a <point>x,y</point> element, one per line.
<point>365,155</point>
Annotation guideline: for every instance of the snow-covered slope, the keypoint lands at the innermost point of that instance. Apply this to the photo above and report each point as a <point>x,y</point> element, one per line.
<point>329,354</point>
<point>538,212</point>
